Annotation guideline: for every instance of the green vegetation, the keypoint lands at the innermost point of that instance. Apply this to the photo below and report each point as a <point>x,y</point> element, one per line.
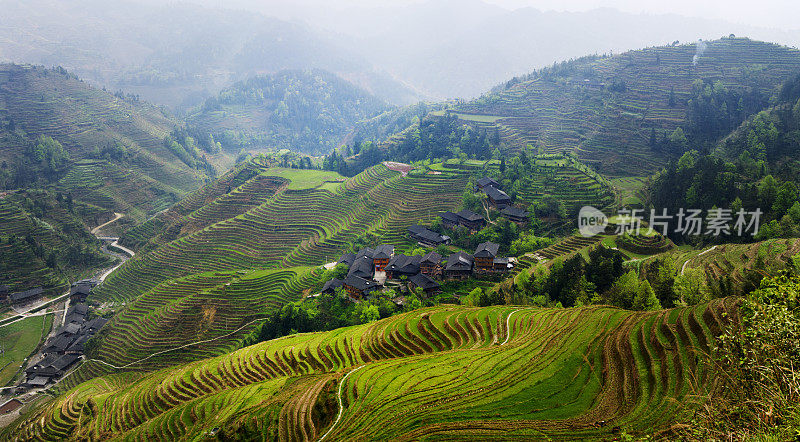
<point>307,111</point>
<point>444,371</point>
<point>294,228</point>
<point>108,151</point>
<point>18,341</point>
<point>753,168</point>
<point>758,361</point>
<point>44,241</point>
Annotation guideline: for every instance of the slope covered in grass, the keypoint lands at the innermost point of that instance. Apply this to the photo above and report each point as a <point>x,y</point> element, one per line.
<point>442,372</point>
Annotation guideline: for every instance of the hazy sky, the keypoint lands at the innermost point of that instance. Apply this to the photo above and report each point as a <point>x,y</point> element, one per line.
<point>784,14</point>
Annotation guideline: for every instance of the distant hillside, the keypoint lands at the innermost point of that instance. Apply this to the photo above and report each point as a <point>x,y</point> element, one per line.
<point>107,150</point>
<point>44,241</point>
<point>606,109</point>
<point>447,372</point>
<point>305,111</point>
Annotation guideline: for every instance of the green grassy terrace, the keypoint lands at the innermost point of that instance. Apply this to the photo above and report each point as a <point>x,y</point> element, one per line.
<point>434,373</point>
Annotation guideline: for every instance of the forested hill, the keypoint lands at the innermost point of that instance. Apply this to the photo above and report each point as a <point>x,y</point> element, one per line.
<point>307,111</point>
<point>618,113</point>
<point>113,152</point>
<point>755,166</point>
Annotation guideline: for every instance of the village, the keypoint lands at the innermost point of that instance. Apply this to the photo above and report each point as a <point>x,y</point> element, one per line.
<point>370,270</point>
<point>65,346</point>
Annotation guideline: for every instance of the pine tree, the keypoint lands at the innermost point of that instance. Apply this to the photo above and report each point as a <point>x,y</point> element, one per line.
<point>646,298</point>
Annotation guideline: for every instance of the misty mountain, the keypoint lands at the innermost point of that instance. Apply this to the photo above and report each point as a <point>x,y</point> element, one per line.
<point>454,48</point>
<point>176,54</point>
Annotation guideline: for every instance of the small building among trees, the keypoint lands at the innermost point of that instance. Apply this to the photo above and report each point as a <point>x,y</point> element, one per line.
<point>459,266</point>
<point>485,254</point>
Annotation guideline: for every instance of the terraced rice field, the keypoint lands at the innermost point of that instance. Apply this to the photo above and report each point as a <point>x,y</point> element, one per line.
<point>219,307</point>
<point>446,372</point>
<point>611,129</point>
<point>49,102</point>
<point>644,244</point>
<point>56,231</point>
<point>568,246</point>
<point>294,228</point>
<point>734,260</point>
<point>113,188</point>
<point>553,175</point>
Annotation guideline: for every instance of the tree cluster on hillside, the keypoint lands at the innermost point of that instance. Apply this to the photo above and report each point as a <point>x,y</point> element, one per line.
<point>43,161</point>
<point>186,148</point>
<point>444,137</point>
<point>748,181</point>
<point>306,111</point>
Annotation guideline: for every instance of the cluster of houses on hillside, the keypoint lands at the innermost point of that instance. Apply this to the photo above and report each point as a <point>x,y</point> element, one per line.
<point>501,201</point>
<point>62,351</point>
<point>78,290</point>
<point>370,269</point>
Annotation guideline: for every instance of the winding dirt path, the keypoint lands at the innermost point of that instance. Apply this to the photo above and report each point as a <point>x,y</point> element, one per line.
<point>341,406</point>
<point>116,217</point>
<point>699,254</point>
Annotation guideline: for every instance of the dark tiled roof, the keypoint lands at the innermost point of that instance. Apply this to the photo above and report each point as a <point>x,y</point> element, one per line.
<point>332,285</point>
<point>451,217</point>
<point>94,325</point>
<point>514,212</point>
<point>65,362</point>
<point>80,309</point>
<point>383,251</point>
<point>347,259</point>
<point>70,329</point>
<point>76,318</point>
<point>363,267</point>
<point>427,235</point>
<point>366,251</point>
<point>486,181</point>
<point>49,359</point>
<point>496,194</point>
<point>424,282</point>
<point>59,344</point>
<point>361,284</point>
<point>431,258</point>
<point>82,289</point>
<point>469,215</point>
<point>38,381</point>
<point>459,261</point>
<point>77,346</point>
<point>404,264</point>
<point>21,296</point>
<point>487,250</point>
